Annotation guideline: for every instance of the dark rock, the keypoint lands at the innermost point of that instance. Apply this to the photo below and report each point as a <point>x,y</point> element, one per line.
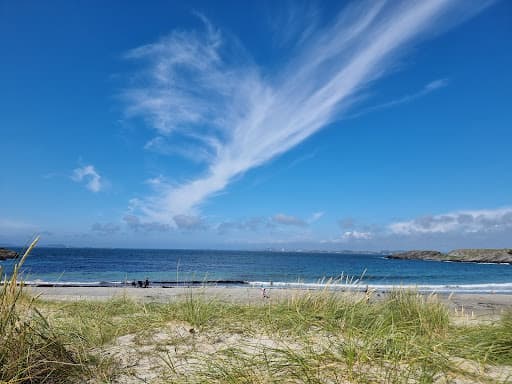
<point>7,254</point>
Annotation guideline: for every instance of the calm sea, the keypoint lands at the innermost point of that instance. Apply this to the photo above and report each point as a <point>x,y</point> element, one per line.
<point>88,266</point>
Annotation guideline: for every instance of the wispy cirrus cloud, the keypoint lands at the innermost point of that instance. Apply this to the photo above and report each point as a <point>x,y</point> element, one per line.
<point>90,176</point>
<point>427,89</point>
<point>293,22</point>
<point>202,88</point>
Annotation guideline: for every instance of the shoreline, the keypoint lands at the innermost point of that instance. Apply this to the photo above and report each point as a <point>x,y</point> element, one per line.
<point>480,288</point>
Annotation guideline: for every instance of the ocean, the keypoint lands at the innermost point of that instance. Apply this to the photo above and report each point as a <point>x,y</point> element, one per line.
<point>168,268</point>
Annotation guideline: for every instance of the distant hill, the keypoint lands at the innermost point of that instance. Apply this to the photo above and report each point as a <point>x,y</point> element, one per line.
<point>459,255</point>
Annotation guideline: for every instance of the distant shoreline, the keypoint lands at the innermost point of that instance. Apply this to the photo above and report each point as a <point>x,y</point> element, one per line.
<point>255,250</point>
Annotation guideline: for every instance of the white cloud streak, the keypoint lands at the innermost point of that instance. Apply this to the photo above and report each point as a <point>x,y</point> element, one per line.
<point>89,174</point>
<point>203,89</point>
<point>428,88</point>
<point>475,221</point>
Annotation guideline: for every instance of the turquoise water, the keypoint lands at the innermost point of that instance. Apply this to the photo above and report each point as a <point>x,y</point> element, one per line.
<point>87,266</point>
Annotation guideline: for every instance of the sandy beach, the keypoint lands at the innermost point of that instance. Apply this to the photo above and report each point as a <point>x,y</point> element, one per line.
<point>469,305</point>
<point>235,334</point>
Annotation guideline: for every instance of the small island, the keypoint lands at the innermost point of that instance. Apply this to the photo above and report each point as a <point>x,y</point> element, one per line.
<point>495,256</point>
<point>7,254</point>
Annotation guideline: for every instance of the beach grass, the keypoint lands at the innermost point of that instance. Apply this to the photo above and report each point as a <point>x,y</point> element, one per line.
<point>311,337</point>
<point>307,337</point>
<point>487,342</point>
<point>31,349</point>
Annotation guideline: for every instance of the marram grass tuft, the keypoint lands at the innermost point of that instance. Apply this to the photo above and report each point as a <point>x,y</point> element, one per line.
<point>30,350</point>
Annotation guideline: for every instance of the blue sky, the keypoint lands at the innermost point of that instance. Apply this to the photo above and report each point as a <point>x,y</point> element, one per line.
<point>364,125</point>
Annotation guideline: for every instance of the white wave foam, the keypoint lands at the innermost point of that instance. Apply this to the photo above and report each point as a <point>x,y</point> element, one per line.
<point>356,286</point>
<point>72,283</point>
<point>483,287</point>
<point>470,262</point>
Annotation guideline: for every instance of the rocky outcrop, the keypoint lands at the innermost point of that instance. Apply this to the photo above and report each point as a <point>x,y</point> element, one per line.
<point>417,255</point>
<point>7,254</point>
<point>482,255</point>
<point>459,255</point>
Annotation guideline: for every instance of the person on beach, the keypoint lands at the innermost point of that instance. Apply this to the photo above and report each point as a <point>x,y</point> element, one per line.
<point>264,293</point>
<point>146,283</point>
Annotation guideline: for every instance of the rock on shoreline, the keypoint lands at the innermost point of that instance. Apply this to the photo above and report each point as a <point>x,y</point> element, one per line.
<point>459,255</point>
<point>7,254</point>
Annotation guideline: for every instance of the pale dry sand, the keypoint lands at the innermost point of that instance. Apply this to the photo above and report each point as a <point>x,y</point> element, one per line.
<point>158,294</point>
<point>474,305</point>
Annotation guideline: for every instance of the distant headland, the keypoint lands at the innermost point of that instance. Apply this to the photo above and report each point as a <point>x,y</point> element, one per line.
<point>497,256</point>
